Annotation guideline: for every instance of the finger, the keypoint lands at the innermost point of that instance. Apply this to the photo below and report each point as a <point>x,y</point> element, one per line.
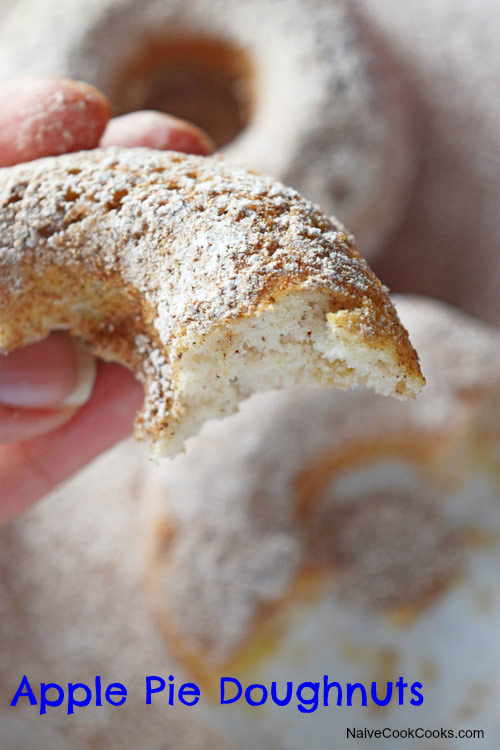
<point>156,130</point>
<point>31,469</point>
<point>48,115</point>
<point>17,425</point>
<point>41,385</point>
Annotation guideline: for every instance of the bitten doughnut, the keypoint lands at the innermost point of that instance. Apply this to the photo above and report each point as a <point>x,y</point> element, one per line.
<point>388,538</point>
<point>312,533</point>
<point>292,89</point>
<point>208,281</point>
<point>367,507</point>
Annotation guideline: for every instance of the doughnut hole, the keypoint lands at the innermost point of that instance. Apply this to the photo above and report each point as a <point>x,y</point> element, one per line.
<point>206,82</point>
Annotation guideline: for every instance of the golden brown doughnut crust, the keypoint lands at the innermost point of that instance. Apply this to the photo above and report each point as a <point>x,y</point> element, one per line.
<point>149,254</point>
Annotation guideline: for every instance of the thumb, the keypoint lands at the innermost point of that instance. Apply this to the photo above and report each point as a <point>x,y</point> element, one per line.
<point>41,386</point>
<point>47,115</point>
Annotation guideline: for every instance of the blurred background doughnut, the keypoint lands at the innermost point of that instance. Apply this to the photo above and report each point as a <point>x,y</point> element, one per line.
<point>72,607</point>
<point>296,90</point>
<point>335,533</point>
<point>447,245</point>
<point>312,533</point>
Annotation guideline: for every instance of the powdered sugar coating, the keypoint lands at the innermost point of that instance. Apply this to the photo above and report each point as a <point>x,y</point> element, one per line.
<point>145,253</point>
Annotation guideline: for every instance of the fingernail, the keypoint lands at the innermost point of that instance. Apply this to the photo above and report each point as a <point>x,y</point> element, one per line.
<point>58,372</point>
<point>156,130</point>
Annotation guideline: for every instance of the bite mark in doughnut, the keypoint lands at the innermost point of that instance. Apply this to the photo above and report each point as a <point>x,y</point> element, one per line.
<point>308,497</point>
<point>209,282</point>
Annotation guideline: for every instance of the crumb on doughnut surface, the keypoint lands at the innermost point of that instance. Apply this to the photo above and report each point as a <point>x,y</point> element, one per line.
<point>206,280</point>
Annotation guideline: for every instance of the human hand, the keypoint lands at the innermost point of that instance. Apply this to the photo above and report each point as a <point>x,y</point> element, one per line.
<point>59,408</point>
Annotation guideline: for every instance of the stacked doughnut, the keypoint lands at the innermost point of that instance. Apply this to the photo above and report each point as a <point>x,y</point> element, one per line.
<point>335,530</point>
<point>313,532</point>
<point>447,243</point>
<point>299,91</point>
<point>72,607</point>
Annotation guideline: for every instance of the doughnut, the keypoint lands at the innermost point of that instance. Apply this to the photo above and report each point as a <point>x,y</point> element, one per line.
<point>301,91</point>
<point>53,635</point>
<point>339,500</point>
<point>209,282</point>
<point>83,589</point>
<point>454,204</point>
